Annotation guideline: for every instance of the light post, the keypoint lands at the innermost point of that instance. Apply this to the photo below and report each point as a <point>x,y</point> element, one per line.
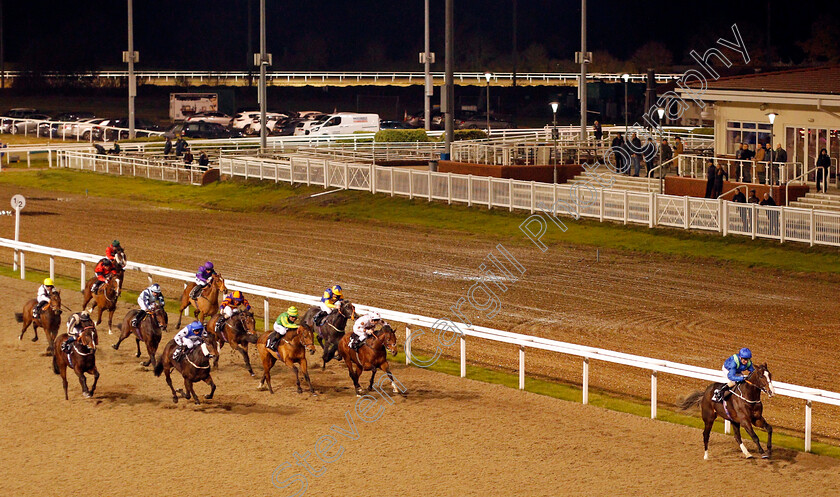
<point>488,76</point>
<point>772,117</point>
<point>130,58</point>
<point>626,78</point>
<point>554,106</point>
<point>661,112</point>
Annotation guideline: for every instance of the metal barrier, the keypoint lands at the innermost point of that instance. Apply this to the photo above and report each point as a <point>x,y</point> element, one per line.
<point>523,342</point>
<point>695,166</point>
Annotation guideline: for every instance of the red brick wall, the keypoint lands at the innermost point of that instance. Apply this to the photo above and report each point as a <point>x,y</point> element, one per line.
<point>544,174</point>
<point>693,187</point>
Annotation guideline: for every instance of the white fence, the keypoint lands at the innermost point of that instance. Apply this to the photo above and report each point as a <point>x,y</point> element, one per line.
<point>159,169</point>
<point>654,366</point>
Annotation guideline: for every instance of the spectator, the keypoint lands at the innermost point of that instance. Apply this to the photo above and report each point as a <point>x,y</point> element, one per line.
<point>635,155</point>
<point>710,180</point>
<point>744,167</point>
<point>772,215</point>
<point>180,145</point>
<point>100,150</point>
<point>760,153</point>
<point>739,197</point>
<point>599,133</point>
<point>115,150</point>
<point>650,155</point>
<point>752,199</point>
<point>823,163</point>
<point>667,154</point>
<point>720,176</point>
<point>167,147</point>
<point>779,158</point>
<point>188,158</point>
<point>678,147</point>
<point>203,161</point>
<point>767,200</point>
<point>617,156</point>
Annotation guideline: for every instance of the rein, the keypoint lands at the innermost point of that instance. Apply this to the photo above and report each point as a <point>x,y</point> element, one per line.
<point>187,357</point>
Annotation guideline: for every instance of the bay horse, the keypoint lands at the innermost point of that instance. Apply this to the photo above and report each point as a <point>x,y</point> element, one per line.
<point>194,366</point>
<point>207,304</point>
<point>149,330</point>
<point>371,355</point>
<point>332,329</point>
<point>49,319</point>
<point>291,350</point>
<point>238,331</point>
<point>742,407</point>
<point>81,359</point>
<point>105,299</point>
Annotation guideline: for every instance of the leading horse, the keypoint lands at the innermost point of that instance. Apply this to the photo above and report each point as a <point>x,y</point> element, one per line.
<point>742,407</point>
<point>149,330</point>
<point>239,330</point>
<point>331,329</point>
<point>370,356</point>
<point>207,302</point>
<point>194,366</point>
<point>81,359</point>
<point>49,319</point>
<point>105,299</point>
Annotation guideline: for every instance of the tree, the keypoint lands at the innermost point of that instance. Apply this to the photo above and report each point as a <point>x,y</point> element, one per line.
<point>652,54</point>
<point>824,44</point>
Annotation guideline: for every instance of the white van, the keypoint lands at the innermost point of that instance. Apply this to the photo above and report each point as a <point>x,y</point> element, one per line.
<point>346,123</point>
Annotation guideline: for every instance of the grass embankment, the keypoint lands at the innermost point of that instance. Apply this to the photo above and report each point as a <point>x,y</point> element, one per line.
<point>498,224</point>
<point>486,375</point>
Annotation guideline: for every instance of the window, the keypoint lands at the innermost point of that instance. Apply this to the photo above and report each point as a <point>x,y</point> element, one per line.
<point>333,122</point>
<point>749,133</point>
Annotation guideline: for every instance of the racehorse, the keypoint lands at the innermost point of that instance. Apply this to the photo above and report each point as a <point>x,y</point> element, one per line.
<point>239,331</point>
<point>742,407</point>
<point>291,349</point>
<point>207,303</point>
<point>332,328</point>
<point>370,356</point>
<point>49,319</point>
<point>194,366</point>
<point>149,330</point>
<point>105,299</point>
<point>81,359</point>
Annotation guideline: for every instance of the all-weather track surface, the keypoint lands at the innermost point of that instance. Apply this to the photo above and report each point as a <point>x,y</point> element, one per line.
<point>448,436</point>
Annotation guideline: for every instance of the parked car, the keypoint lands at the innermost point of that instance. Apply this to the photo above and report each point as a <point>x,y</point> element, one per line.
<point>271,118</point>
<point>395,125</point>
<point>479,121</point>
<point>105,129</point>
<point>211,117</point>
<point>310,114</point>
<point>346,123</point>
<point>418,119</point>
<point>304,126</point>
<point>201,130</point>
<point>86,129</point>
<point>30,125</point>
<point>17,113</point>
<point>64,124</point>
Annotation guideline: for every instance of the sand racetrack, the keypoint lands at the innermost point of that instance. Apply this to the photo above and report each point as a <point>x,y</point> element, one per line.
<point>448,436</point>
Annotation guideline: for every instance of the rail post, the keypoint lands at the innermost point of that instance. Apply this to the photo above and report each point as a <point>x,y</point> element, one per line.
<point>410,184</point>
<point>724,220</point>
<point>448,188</point>
<point>187,308</point>
<point>463,357</point>
<point>83,278</point>
<point>727,426</point>
<point>687,212</point>
<point>807,426</point>
<point>626,207</point>
<point>266,315</point>
<point>510,194</point>
<point>521,367</point>
<point>469,190</point>
<point>407,345</point>
<point>52,267</point>
<point>533,196</point>
<point>601,205</point>
<point>22,266</point>
<point>652,210</point>
<point>653,393</point>
<point>489,192</point>
<point>782,224</point>
<point>585,388</point>
<point>429,173</point>
<point>813,229</point>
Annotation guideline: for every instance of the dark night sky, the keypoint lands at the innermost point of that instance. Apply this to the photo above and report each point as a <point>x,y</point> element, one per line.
<point>368,35</point>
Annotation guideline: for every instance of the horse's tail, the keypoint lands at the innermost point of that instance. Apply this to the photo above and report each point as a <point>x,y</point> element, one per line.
<point>55,364</point>
<point>251,337</point>
<point>692,400</point>
<point>159,365</point>
<point>19,317</point>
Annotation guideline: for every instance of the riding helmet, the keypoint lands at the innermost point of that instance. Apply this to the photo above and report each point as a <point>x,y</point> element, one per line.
<point>336,290</point>
<point>195,326</point>
<point>49,282</point>
<point>115,243</point>
<point>208,265</point>
<point>374,316</point>
<point>292,311</point>
<point>745,353</point>
<point>155,288</point>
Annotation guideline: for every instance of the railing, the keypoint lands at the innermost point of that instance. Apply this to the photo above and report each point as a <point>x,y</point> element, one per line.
<point>64,130</point>
<point>523,342</point>
<point>660,169</point>
<point>727,192</point>
<point>695,166</point>
<point>801,179</point>
<point>159,169</point>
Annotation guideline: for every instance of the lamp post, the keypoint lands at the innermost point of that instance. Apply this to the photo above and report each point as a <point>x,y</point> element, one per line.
<point>488,76</point>
<point>626,78</point>
<point>661,112</point>
<point>772,117</point>
<point>554,106</point>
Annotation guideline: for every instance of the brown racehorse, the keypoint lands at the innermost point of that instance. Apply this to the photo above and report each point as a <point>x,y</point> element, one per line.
<point>194,366</point>
<point>291,349</point>
<point>742,407</point>
<point>49,319</point>
<point>83,357</point>
<point>332,329</point>
<point>371,355</point>
<point>105,299</point>
<point>239,331</point>
<point>207,303</point>
<point>149,331</point>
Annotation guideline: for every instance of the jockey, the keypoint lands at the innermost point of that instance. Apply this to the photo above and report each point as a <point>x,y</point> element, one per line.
<point>111,251</point>
<point>43,297</point>
<point>329,302</point>
<point>231,304</point>
<point>285,322</point>
<point>202,278</point>
<point>105,268</point>
<point>148,298</point>
<point>363,327</point>
<point>75,325</point>
<point>188,338</point>
<point>737,368</point>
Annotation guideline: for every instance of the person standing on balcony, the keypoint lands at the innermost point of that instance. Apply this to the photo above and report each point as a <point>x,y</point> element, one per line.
<point>710,180</point>
<point>720,176</point>
<point>635,154</point>
<point>823,163</point>
<point>667,154</point>
<point>599,133</point>
<point>759,158</point>
<point>779,158</point>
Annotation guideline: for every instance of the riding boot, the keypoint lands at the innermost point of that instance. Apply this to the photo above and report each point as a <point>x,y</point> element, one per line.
<point>179,350</point>
<point>319,318</point>
<point>36,311</point>
<point>720,393</point>
<point>196,291</point>
<point>220,323</point>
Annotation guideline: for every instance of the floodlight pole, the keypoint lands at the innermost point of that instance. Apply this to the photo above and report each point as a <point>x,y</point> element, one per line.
<point>261,90</point>
<point>449,79</point>
<point>427,107</point>
<point>583,62</point>
<point>132,79</point>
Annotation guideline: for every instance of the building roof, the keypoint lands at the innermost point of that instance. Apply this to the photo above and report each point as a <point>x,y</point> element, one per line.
<point>816,80</point>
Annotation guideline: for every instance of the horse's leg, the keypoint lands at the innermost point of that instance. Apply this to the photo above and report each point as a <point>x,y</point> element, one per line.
<point>151,354</point>
<point>244,351</point>
<point>736,428</point>
<point>707,430</point>
<point>125,334</point>
<point>268,363</point>
<point>304,368</point>
<point>751,432</point>
<point>111,318</point>
<point>185,302</point>
<point>167,369</point>
<point>372,376</point>
<point>95,380</point>
<point>188,391</point>
<point>194,395</point>
<point>99,316</point>
<point>26,323</point>
<point>763,424</point>
<point>63,371</point>
<point>291,364</point>
<point>354,375</point>
<point>209,381</point>
<point>137,354</point>
<point>82,380</point>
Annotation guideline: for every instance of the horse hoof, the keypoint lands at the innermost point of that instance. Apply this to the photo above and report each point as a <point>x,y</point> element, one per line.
<point>87,395</point>
<point>136,355</point>
<point>749,456</point>
<point>765,456</point>
<point>300,390</point>
<point>115,347</point>
<point>208,397</point>
<point>175,400</point>
<point>35,339</point>
<point>251,373</point>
